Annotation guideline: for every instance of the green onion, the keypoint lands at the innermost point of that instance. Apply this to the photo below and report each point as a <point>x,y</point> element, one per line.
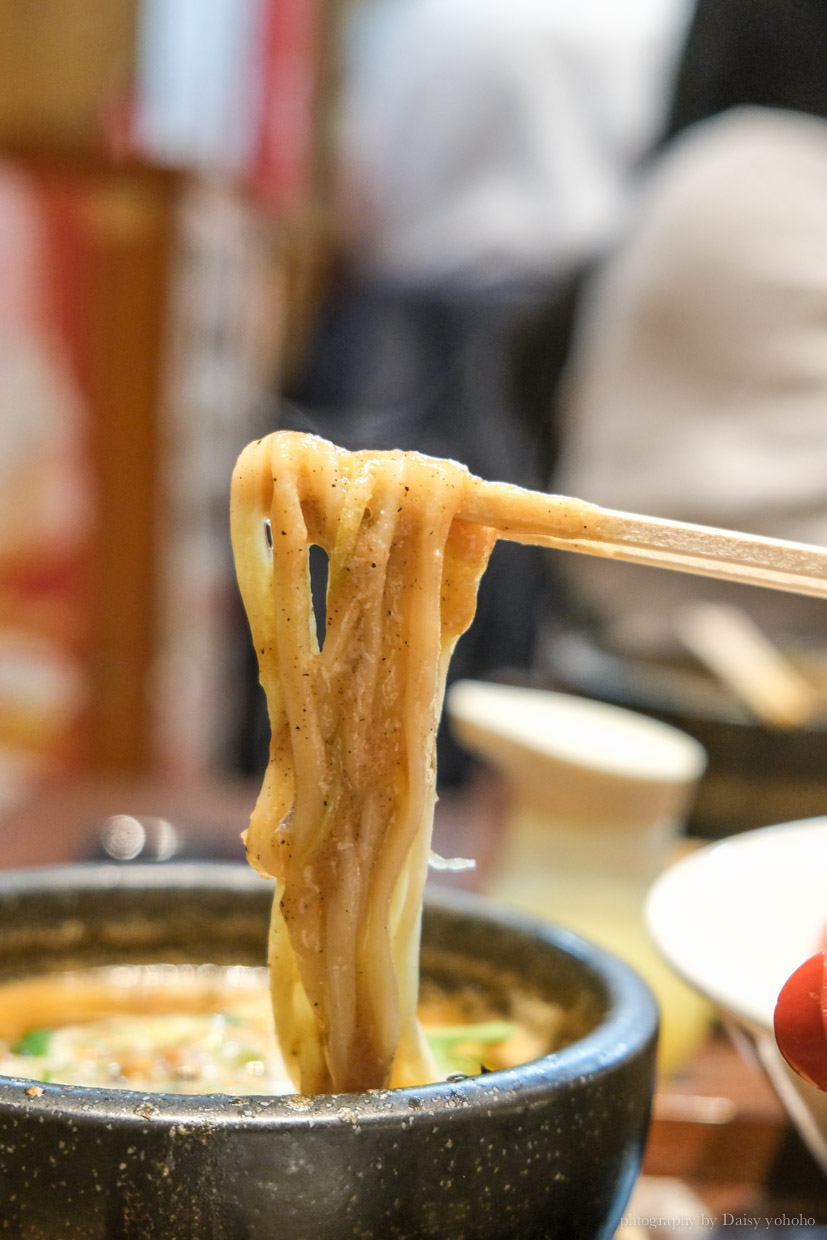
<point>33,1042</point>
<point>451,1044</point>
<point>248,1054</point>
<point>487,1032</point>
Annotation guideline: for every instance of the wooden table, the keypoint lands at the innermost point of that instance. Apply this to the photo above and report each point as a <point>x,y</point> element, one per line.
<point>721,1144</point>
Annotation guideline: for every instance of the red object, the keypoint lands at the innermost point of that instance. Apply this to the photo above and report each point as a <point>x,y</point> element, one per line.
<point>799,1020</point>
<point>283,161</point>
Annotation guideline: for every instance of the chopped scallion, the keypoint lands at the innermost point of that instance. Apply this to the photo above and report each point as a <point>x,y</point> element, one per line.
<point>33,1042</point>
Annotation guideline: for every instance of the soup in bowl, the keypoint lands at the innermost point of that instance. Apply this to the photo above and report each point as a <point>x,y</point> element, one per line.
<point>188,1130</point>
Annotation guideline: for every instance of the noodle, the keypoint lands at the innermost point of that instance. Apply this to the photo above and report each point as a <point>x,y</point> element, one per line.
<point>343,821</point>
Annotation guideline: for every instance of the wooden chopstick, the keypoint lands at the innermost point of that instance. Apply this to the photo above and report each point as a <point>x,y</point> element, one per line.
<point>569,524</point>
<point>727,641</point>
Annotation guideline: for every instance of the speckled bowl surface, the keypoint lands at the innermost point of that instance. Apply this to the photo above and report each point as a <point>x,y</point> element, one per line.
<point>545,1150</point>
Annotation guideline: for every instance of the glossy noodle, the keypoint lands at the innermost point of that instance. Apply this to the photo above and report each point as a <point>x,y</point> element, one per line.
<point>343,821</point>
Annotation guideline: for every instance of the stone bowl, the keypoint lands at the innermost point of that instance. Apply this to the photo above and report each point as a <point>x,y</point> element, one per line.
<point>551,1148</point>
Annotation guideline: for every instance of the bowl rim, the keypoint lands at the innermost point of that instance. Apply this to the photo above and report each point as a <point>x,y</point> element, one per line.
<point>631,1021</point>
<point>690,872</point>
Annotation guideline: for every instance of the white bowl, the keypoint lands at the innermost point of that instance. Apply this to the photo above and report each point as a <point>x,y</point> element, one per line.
<point>735,919</point>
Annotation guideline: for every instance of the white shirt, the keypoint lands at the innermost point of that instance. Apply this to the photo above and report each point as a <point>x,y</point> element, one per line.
<point>498,139</point>
<point>698,389</point>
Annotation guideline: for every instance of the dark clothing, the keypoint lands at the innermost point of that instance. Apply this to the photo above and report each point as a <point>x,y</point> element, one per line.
<point>767,53</point>
<point>458,374</point>
<point>450,373</point>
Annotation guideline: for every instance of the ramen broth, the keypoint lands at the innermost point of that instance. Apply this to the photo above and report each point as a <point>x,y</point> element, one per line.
<point>201,1029</point>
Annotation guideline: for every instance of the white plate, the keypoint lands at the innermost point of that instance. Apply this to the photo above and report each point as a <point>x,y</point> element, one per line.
<point>735,919</point>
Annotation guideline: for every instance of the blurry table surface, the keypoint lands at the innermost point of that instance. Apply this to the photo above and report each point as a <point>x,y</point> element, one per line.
<point>719,1139</point>
<point>62,822</point>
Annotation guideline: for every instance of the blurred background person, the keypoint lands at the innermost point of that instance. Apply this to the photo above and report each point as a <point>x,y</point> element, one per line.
<point>488,153</point>
<point>698,384</point>
<point>765,53</point>
<point>488,142</point>
<point>696,390</point>
<point>697,344</point>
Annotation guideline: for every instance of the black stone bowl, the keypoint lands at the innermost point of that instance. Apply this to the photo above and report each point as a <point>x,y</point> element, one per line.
<point>548,1149</point>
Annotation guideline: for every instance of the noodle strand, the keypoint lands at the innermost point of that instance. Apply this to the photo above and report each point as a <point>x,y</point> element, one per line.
<point>343,821</point>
